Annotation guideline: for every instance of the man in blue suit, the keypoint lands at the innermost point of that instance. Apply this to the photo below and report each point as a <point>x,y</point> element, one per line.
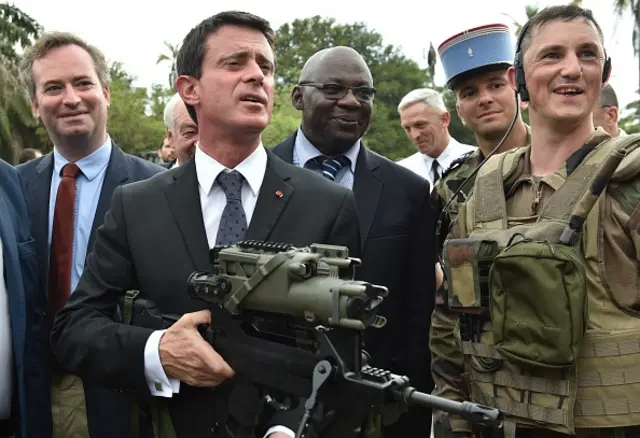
<point>23,410</point>
<point>68,193</point>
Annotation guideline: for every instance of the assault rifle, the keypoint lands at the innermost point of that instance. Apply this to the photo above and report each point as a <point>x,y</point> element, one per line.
<point>289,321</point>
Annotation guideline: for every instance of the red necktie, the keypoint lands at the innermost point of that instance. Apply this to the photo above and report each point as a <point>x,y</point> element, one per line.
<point>60,262</point>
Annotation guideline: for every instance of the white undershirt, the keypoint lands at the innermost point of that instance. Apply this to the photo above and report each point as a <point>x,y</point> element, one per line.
<point>6,349</point>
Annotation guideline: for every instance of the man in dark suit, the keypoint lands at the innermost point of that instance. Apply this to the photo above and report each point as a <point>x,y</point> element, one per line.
<point>24,411</point>
<point>67,82</point>
<point>232,190</point>
<point>335,94</point>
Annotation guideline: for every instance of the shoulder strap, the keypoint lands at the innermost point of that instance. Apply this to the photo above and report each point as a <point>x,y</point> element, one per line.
<point>571,204</point>
<point>160,417</point>
<point>489,186</point>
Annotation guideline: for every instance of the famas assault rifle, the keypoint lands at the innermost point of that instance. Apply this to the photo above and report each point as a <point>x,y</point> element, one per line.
<point>289,321</point>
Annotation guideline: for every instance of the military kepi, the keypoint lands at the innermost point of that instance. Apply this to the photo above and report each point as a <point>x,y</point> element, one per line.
<point>476,48</point>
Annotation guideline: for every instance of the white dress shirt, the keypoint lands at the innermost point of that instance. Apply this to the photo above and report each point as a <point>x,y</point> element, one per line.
<point>6,349</point>
<point>421,163</point>
<point>212,200</point>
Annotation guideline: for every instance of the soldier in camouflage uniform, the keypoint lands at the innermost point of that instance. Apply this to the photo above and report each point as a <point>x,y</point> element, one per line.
<point>557,223</point>
<point>486,104</point>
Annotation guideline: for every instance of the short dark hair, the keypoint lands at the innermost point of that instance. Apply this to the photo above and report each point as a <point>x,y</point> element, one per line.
<point>53,40</point>
<point>193,49</point>
<point>553,13</point>
<point>608,97</point>
<point>28,154</point>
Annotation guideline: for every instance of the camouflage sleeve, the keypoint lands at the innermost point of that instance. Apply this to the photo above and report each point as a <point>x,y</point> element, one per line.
<point>447,366</point>
<point>621,242</point>
<point>438,199</point>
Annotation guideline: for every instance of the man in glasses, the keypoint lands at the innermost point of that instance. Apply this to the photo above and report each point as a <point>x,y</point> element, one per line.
<point>335,94</point>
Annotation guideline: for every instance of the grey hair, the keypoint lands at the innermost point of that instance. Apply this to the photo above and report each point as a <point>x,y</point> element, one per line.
<point>169,110</point>
<point>429,97</point>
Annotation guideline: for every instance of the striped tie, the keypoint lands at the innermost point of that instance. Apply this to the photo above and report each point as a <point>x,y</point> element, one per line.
<point>330,166</point>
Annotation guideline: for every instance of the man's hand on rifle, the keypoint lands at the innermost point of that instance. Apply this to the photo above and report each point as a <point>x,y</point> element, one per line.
<point>185,354</point>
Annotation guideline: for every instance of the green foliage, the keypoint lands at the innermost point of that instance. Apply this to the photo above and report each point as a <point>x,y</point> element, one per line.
<point>17,123</point>
<point>129,125</point>
<point>16,29</point>
<point>158,98</point>
<point>394,76</point>
<point>631,122</point>
<point>171,58</point>
<point>285,118</point>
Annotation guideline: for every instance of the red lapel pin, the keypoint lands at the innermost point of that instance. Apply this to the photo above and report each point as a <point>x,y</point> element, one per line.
<point>279,194</point>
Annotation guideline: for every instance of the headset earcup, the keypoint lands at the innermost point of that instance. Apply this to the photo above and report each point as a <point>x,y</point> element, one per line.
<point>521,83</point>
<point>606,70</point>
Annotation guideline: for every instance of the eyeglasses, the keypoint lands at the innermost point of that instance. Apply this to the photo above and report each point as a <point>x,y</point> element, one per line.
<point>339,91</point>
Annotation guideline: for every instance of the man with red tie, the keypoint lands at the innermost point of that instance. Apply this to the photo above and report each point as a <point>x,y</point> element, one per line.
<point>68,193</point>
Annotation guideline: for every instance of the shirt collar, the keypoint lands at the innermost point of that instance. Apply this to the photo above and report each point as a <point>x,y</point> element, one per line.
<point>307,151</point>
<point>251,168</point>
<point>91,165</point>
<point>446,157</point>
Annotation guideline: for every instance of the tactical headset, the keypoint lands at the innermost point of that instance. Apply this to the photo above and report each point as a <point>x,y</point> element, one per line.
<point>518,64</point>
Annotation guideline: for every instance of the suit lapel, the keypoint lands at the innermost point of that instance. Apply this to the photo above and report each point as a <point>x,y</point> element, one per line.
<point>274,195</point>
<point>366,188</point>
<point>285,149</point>
<point>184,202</point>
<point>38,191</point>
<point>116,174</point>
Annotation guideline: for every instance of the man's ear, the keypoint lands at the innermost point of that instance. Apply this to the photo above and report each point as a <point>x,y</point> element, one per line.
<point>464,123</point>
<point>446,119</point>
<point>35,107</point>
<point>297,98</point>
<point>612,115</point>
<point>188,88</point>
<point>106,91</point>
<point>511,77</point>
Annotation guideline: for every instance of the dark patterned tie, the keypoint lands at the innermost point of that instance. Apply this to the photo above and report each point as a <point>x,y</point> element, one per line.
<point>435,171</point>
<point>60,262</point>
<point>233,223</point>
<point>330,166</point>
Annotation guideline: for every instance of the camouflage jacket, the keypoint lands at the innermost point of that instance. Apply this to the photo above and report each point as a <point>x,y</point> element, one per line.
<point>447,362</point>
<point>452,178</point>
<point>620,225</point>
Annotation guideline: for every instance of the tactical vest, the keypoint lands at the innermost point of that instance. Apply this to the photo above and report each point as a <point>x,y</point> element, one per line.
<point>545,349</point>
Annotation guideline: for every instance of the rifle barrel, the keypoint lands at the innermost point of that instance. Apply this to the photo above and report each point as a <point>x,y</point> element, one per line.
<point>479,414</point>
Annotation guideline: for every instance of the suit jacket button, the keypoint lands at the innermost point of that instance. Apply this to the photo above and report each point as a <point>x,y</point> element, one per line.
<point>216,428</point>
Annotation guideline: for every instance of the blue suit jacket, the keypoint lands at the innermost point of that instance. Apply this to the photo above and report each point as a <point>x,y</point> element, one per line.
<point>21,277</point>
<point>108,412</point>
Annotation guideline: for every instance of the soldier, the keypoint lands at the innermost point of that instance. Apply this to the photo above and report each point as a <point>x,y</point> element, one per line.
<point>542,262</point>
<point>487,105</point>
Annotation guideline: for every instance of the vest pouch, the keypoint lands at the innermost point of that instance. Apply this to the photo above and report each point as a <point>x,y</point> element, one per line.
<point>538,304</point>
<point>467,265</point>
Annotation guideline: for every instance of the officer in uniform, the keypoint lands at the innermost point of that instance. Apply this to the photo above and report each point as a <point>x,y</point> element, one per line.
<point>542,262</point>
<point>475,63</point>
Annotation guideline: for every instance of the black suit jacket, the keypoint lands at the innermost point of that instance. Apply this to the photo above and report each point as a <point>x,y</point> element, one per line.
<point>396,227</point>
<point>108,412</point>
<point>128,255</point>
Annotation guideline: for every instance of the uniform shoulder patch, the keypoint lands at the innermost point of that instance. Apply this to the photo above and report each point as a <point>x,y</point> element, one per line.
<point>456,163</point>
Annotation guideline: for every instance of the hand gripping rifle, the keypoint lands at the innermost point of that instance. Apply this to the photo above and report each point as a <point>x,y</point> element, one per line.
<point>289,321</point>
